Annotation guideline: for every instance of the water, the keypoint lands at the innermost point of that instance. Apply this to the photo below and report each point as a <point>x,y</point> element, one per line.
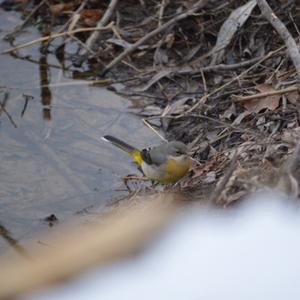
<point>52,160</point>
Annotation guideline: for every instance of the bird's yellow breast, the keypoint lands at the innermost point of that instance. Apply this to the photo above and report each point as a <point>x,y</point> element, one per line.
<point>175,169</point>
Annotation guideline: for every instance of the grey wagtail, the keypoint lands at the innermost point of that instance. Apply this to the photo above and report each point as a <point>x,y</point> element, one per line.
<point>166,163</point>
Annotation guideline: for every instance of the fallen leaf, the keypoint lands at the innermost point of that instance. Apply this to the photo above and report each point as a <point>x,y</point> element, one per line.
<point>241,117</point>
<point>234,22</point>
<point>161,74</point>
<point>176,107</point>
<point>151,110</point>
<point>90,17</point>
<point>268,102</point>
<point>293,97</point>
<point>57,9</point>
<point>229,113</point>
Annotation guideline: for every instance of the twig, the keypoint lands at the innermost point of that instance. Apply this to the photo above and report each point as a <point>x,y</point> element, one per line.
<point>79,82</point>
<point>292,162</point>
<point>222,183</point>
<point>2,108</point>
<point>154,32</point>
<point>155,131</point>
<point>283,32</point>
<point>71,23</point>
<point>25,22</point>
<point>224,67</point>
<point>287,182</point>
<point>263,95</point>
<point>104,20</point>
<point>54,36</point>
<point>133,177</point>
<point>163,5</point>
<point>6,235</point>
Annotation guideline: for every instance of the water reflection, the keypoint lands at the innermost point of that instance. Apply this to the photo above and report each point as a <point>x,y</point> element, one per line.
<point>70,169</point>
<point>46,95</point>
<point>3,109</point>
<point>26,100</point>
<point>14,244</point>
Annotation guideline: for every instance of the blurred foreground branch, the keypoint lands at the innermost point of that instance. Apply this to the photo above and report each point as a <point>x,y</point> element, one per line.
<point>120,234</point>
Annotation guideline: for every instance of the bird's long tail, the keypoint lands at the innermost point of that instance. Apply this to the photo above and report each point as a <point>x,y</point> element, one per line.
<point>132,151</point>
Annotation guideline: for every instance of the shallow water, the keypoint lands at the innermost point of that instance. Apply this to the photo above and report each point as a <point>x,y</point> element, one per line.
<point>52,158</point>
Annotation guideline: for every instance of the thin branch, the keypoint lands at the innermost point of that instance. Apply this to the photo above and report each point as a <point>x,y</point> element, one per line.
<point>56,35</point>
<point>104,20</point>
<point>263,95</point>
<point>153,129</point>
<point>8,115</point>
<point>215,196</point>
<point>25,22</point>
<point>283,32</point>
<point>163,5</point>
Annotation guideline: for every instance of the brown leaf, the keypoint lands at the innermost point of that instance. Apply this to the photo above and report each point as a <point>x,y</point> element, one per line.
<point>56,9</point>
<point>90,17</point>
<point>267,102</point>
<point>293,97</point>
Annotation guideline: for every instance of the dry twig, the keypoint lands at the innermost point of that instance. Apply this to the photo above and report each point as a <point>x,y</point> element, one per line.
<point>283,32</point>
<point>2,108</point>
<point>214,197</point>
<point>262,95</point>
<point>19,28</point>
<point>54,36</point>
<point>90,43</point>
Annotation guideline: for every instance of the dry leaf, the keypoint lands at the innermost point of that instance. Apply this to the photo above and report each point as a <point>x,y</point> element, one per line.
<point>57,9</point>
<point>234,22</point>
<point>176,107</point>
<point>229,113</point>
<point>241,117</point>
<point>90,17</point>
<point>154,79</point>
<point>268,102</point>
<point>293,97</point>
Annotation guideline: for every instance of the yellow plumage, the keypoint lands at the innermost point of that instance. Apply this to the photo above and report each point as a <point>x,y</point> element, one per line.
<point>136,155</point>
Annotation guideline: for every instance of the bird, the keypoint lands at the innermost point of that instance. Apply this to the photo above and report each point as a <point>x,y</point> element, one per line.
<point>165,163</point>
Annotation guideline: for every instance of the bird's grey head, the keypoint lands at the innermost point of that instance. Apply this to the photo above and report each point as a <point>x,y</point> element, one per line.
<point>159,154</point>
